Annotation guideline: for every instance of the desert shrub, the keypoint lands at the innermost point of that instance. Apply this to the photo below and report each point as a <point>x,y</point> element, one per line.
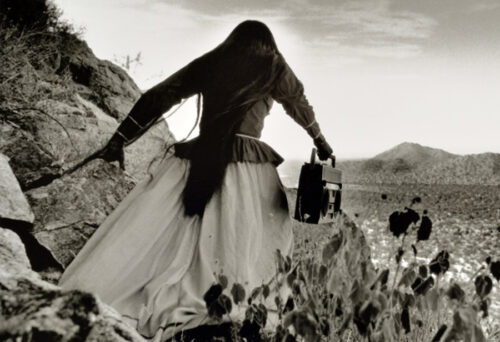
<point>30,14</point>
<point>335,297</point>
<point>35,46</point>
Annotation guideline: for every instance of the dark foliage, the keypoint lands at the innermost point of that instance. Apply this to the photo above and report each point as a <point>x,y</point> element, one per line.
<point>400,254</point>
<point>408,300</point>
<point>484,285</point>
<point>421,286</point>
<point>424,231</point>
<point>439,333</point>
<point>416,200</point>
<point>405,320</point>
<point>220,307</point>
<point>495,269</point>
<point>324,327</point>
<point>456,292</point>
<point>338,308</point>
<point>423,271</point>
<point>223,281</point>
<point>203,333</point>
<point>382,278</point>
<point>483,306</point>
<point>250,330</point>
<point>441,263</point>
<point>212,294</point>
<point>217,304</point>
<point>364,315</point>
<point>290,305</point>
<point>30,14</point>
<point>414,249</point>
<point>238,293</point>
<point>399,222</point>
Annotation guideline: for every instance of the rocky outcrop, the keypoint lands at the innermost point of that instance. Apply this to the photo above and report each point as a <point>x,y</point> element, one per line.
<point>13,204</point>
<point>71,208</point>
<point>34,310</point>
<point>101,82</point>
<point>45,138</point>
<point>16,215</point>
<point>41,139</point>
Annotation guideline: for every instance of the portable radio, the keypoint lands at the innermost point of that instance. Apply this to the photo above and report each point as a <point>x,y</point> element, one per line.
<point>319,192</point>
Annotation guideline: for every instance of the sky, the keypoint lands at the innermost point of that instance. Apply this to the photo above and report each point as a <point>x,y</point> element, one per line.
<point>377,72</point>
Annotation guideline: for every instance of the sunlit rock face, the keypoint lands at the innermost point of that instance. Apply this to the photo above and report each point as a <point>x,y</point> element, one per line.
<point>47,137</point>
<point>42,138</point>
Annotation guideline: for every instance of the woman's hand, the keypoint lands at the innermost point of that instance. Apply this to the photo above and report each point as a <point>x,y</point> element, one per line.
<point>324,149</point>
<point>113,151</point>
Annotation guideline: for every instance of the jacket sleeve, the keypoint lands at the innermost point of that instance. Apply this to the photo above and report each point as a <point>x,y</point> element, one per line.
<point>289,92</point>
<point>158,100</point>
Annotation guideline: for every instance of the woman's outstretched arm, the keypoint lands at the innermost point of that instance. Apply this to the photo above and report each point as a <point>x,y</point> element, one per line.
<point>150,106</point>
<point>155,102</point>
<point>289,92</point>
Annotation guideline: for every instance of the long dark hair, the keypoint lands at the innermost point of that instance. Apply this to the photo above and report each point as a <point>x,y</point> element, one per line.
<point>239,72</point>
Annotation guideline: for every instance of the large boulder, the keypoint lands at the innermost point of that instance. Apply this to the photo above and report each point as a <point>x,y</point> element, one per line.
<point>34,310</point>
<point>13,203</point>
<point>71,208</point>
<point>100,81</point>
<point>52,133</point>
<point>13,257</point>
<point>46,137</point>
<point>16,215</point>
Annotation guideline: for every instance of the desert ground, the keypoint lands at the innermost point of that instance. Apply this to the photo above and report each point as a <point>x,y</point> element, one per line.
<point>466,223</point>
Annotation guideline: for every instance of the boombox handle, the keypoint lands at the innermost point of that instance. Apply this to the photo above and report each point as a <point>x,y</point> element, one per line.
<point>313,157</point>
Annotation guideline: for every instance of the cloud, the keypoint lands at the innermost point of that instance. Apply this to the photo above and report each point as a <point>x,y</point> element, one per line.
<point>365,28</point>
<point>488,5</point>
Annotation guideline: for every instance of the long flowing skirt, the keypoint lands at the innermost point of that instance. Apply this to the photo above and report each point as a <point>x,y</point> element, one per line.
<point>154,264</point>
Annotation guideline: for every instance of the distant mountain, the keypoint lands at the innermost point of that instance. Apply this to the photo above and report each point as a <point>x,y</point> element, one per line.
<point>411,163</point>
<point>415,155</point>
<point>414,163</point>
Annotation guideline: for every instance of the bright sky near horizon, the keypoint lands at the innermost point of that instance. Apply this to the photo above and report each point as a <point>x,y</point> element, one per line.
<point>377,72</point>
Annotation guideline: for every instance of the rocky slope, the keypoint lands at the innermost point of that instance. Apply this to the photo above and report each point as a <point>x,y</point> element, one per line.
<point>44,136</point>
<point>53,115</point>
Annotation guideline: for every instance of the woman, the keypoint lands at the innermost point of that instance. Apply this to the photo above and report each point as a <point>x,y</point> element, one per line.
<point>215,206</point>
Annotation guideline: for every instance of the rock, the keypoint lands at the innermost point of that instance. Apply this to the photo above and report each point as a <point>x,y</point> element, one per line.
<point>34,310</point>
<point>13,203</point>
<point>49,138</point>
<point>104,83</point>
<point>46,137</point>
<point>13,258</point>
<point>71,208</point>
<point>16,215</point>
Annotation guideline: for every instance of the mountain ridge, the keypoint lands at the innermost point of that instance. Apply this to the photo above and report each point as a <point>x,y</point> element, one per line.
<point>412,163</point>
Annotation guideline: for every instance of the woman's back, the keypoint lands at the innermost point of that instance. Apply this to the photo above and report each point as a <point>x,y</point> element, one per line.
<point>216,205</point>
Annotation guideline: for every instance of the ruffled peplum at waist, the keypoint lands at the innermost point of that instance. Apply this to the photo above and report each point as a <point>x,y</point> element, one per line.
<point>245,149</point>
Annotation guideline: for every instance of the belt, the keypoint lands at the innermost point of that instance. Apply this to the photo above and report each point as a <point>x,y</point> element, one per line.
<point>246,136</point>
